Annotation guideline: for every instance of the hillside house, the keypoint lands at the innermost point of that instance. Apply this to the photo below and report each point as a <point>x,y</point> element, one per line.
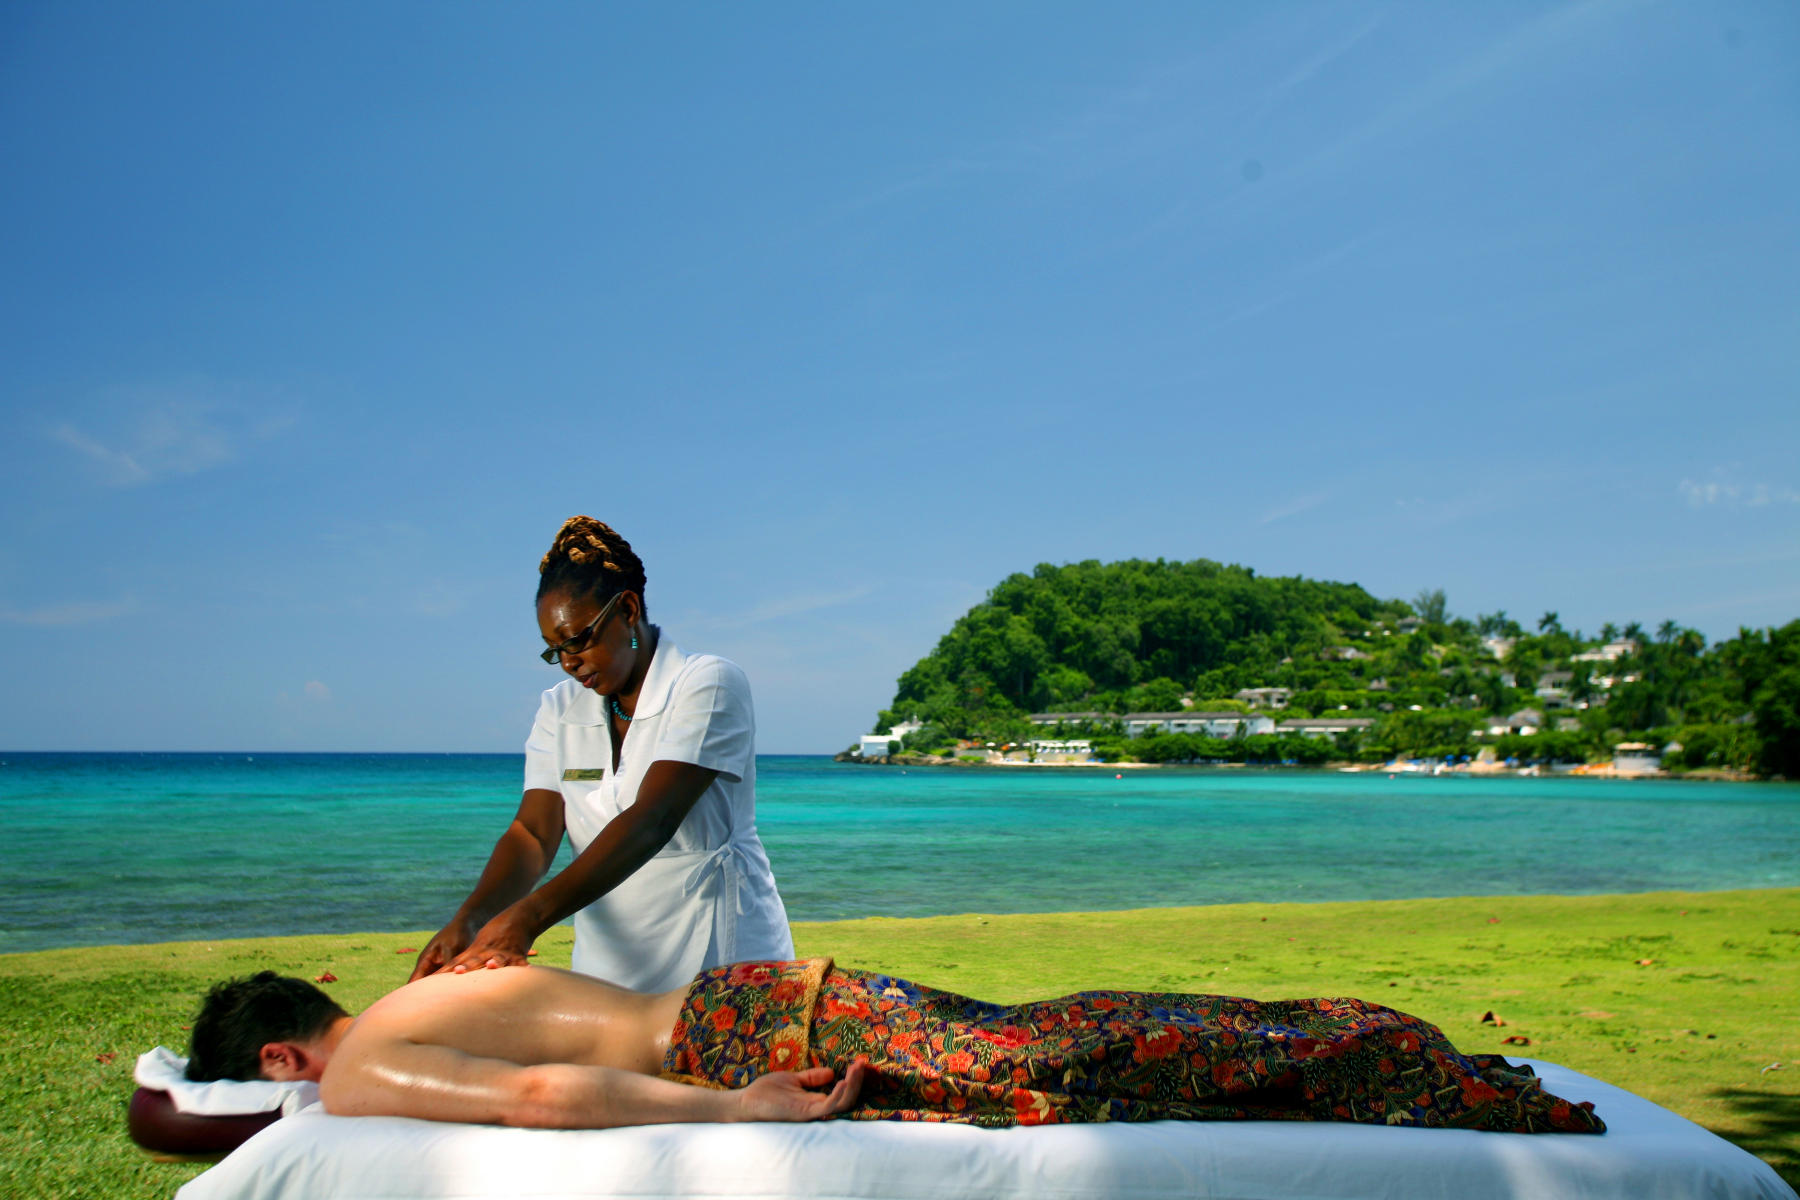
<point>1553,688</point>
<point>1611,652</point>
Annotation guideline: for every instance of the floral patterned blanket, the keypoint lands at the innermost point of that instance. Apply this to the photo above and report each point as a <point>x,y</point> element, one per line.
<point>1100,1056</point>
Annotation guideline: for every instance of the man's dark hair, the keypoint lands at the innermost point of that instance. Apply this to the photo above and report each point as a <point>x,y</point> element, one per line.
<point>238,1017</point>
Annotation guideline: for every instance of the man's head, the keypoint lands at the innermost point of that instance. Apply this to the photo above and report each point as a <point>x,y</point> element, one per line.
<point>265,1026</point>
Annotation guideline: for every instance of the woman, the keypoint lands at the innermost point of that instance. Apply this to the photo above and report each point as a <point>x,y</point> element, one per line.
<point>646,756</point>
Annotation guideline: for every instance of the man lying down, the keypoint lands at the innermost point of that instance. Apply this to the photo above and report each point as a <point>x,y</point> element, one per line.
<point>801,1041</point>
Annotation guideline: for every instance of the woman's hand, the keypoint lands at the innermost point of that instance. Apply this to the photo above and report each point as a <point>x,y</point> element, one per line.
<point>504,941</point>
<point>788,1095</point>
<point>450,941</point>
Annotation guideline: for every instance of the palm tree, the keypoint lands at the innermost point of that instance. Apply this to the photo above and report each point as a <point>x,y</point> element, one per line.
<point>1549,623</point>
<point>1665,633</point>
<point>1608,632</point>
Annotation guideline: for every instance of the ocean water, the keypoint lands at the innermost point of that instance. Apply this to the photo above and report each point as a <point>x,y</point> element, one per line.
<point>112,848</point>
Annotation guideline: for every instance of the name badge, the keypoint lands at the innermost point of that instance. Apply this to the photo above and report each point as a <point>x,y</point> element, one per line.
<point>583,774</point>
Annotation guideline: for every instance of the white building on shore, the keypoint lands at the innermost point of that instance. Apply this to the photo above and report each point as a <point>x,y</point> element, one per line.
<point>877,745</point>
<point>1066,751</point>
<point>1636,758</point>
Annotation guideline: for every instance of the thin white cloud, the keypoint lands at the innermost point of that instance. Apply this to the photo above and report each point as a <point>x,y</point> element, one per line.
<point>1763,494</point>
<point>1779,599</point>
<point>316,691</point>
<point>1699,495</point>
<point>1721,494</point>
<point>806,602</point>
<point>67,614</point>
<point>780,609</point>
<point>1434,512</point>
<point>1522,50</point>
<point>1293,507</point>
<point>165,432</point>
<point>1328,55</point>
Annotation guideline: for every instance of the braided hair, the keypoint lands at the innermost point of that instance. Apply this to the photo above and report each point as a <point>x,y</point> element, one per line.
<point>589,560</point>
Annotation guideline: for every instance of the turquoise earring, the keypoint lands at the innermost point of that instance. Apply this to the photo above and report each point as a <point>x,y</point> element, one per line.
<point>634,641</point>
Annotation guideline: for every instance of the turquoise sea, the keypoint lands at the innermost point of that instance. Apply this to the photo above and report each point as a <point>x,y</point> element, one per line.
<point>109,848</point>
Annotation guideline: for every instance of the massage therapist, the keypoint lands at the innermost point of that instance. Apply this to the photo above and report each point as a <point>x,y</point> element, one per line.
<point>647,757</point>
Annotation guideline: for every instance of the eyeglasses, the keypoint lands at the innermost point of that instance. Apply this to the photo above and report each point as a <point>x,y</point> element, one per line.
<point>580,641</point>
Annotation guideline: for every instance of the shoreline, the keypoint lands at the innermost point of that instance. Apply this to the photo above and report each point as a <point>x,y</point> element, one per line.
<point>1337,766</point>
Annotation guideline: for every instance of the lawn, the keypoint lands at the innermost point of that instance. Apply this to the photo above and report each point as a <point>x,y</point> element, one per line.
<point>1685,998</point>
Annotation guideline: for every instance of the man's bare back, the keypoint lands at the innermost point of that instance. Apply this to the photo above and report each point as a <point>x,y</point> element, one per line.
<point>526,1016</point>
<point>533,1046</point>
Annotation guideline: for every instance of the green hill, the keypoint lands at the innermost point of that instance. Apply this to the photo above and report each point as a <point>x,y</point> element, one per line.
<point>1105,639</point>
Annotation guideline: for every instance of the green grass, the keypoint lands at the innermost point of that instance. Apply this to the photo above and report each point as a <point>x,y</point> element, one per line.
<point>1691,1030</point>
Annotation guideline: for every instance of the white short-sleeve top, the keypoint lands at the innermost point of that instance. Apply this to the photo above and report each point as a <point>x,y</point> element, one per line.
<point>706,898</point>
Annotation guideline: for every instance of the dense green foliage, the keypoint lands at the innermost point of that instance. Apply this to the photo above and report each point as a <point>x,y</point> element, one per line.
<point>1141,636</point>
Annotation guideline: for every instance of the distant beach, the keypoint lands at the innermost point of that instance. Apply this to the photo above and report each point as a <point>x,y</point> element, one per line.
<point>122,848</point>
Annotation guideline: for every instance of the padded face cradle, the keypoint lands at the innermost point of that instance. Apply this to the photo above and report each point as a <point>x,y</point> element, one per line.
<point>159,1127</point>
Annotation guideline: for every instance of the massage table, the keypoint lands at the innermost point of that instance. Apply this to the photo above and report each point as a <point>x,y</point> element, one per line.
<point>1647,1153</point>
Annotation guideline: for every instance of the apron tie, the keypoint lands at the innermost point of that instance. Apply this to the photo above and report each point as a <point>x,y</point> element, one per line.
<point>725,861</point>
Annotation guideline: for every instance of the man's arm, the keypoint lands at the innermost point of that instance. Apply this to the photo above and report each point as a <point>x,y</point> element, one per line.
<point>405,1079</point>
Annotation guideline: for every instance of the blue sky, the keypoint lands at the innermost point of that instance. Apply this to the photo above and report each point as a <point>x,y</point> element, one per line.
<point>316,320</point>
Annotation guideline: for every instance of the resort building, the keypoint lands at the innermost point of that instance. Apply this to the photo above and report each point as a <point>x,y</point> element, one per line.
<point>1270,697</point>
<point>1213,724</point>
<point>1073,718</point>
<point>1326,726</point>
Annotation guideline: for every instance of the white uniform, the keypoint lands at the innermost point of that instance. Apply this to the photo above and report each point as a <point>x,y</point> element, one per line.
<point>708,897</point>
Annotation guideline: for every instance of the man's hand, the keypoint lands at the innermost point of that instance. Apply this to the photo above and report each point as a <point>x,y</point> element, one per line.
<point>502,942</point>
<point>450,941</point>
<point>788,1095</point>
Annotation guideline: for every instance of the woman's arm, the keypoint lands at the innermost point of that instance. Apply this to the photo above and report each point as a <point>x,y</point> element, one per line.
<point>630,840</point>
<point>520,858</point>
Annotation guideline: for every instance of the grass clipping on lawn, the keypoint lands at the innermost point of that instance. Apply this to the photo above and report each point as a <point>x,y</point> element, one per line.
<point>1685,998</point>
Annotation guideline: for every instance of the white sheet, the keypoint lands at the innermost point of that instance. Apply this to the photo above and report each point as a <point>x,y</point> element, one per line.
<point>1648,1153</point>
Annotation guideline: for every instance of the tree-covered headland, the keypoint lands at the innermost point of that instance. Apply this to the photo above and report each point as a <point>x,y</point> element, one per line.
<point>1099,640</point>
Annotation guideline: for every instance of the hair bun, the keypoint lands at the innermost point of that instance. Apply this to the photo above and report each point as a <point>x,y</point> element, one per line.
<point>589,557</point>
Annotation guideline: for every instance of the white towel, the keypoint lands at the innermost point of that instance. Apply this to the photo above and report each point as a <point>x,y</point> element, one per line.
<point>166,1071</point>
